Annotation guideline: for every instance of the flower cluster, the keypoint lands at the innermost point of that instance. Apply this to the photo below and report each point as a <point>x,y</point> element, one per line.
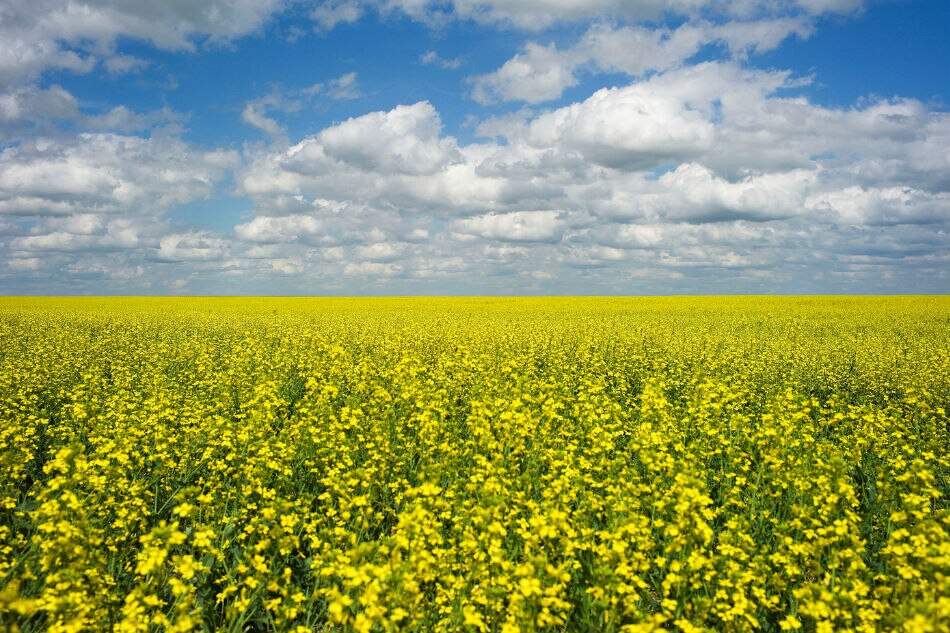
<point>502,465</point>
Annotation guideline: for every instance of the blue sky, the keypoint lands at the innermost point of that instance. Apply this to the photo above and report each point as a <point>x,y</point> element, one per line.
<point>474,146</point>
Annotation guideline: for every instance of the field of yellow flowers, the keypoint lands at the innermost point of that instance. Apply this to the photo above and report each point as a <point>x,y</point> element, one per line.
<point>569,464</point>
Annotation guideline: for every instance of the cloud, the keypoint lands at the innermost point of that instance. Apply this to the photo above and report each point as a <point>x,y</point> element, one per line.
<point>536,15</point>
<point>723,140</point>
<point>538,73</point>
<point>519,226</point>
<point>882,205</point>
<point>30,112</point>
<point>657,185</point>
<point>694,193</point>
<point>693,177</point>
<point>404,140</point>
<point>434,59</point>
<point>41,35</point>
<point>121,64</point>
<point>380,251</point>
<point>260,112</point>
<point>736,122</point>
<point>33,111</point>
<point>266,229</point>
<point>343,87</point>
<point>91,208</point>
<point>633,127</point>
<point>37,103</point>
<point>253,115</point>
<point>542,72</point>
<point>123,120</point>
<point>80,234</point>
<point>37,35</point>
<point>330,14</point>
<point>759,36</point>
<point>371,269</point>
<point>817,7</point>
<point>195,246</point>
<point>106,173</point>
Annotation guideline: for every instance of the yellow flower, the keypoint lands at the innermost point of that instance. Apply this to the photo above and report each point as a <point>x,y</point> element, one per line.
<point>790,623</point>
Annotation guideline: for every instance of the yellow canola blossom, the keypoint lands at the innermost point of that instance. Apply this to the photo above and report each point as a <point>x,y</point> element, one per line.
<point>473,464</point>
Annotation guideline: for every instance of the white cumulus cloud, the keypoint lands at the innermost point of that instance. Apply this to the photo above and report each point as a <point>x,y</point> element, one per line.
<point>519,226</point>
<point>542,72</point>
<point>407,140</point>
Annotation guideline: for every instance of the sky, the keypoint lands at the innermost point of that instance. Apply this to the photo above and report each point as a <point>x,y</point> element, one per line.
<point>493,147</point>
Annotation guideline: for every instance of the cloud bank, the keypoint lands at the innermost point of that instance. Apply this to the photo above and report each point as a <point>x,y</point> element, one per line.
<point>677,175</point>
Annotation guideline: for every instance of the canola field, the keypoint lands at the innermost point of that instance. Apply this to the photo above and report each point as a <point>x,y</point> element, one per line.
<point>472,464</point>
